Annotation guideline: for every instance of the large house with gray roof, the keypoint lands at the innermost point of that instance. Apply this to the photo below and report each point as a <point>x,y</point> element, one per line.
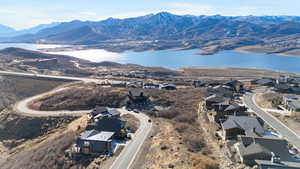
<point>292,102</point>
<point>262,148</point>
<point>241,125</point>
<point>95,142</point>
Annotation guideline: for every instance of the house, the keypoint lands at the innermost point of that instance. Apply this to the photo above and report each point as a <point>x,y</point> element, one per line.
<point>221,91</point>
<point>279,164</point>
<point>198,83</point>
<point>233,109</point>
<point>283,87</point>
<point>134,84</point>
<point>151,86</point>
<point>283,79</point>
<point>212,101</point>
<point>107,124</point>
<point>116,83</point>
<point>168,87</point>
<point>294,80</point>
<point>289,79</point>
<point>95,142</point>
<point>100,112</point>
<point>264,82</point>
<point>241,125</point>
<point>262,148</point>
<point>292,102</point>
<point>235,85</point>
<point>136,99</point>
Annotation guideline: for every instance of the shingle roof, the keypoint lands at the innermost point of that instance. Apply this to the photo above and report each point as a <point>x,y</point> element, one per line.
<point>114,112</point>
<point>293,101</point>
<point>232,106</point>
<point>135,93</point>
<point>243,122</point>
<point>282,164</point>
<point>263,81</point>
<point>233,83</point>
<point>100,109</point>
<point>215,98</point>
<point>253,145</point>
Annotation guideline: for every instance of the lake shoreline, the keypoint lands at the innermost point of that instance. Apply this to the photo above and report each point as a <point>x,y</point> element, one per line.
<point>177,58</point>
<point>261,50</point>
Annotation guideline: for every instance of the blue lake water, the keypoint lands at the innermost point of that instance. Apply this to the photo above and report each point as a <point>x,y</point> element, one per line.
<point>177,59</point>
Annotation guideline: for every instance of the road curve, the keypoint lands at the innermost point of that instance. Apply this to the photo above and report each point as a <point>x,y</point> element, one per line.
<point>22,107</point>
<point>272,121</point>
<point>126,158</point>
<point>132,148</point>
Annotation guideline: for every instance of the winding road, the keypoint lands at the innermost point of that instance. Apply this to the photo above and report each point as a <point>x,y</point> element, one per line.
<point>128,155</point>
<point>272,121</point>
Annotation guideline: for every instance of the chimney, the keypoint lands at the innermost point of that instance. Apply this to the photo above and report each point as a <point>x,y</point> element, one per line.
<point>275,158</point>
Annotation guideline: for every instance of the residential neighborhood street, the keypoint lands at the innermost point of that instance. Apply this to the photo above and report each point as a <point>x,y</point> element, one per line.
<point>276,124</point>
<point>133,147</point>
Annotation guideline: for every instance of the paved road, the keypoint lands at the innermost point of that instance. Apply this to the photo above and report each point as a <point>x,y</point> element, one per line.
<point>277,125</point>
<point>22,107</point>
<point>132,149</point>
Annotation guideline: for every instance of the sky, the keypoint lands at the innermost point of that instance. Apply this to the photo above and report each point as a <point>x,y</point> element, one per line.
<point>21,14</point>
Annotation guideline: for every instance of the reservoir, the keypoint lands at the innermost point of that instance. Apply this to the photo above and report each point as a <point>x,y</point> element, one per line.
<point>176,59</point>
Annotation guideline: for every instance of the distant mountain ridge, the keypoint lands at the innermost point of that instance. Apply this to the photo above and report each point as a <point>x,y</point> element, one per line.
<point>215,32</point>
<point>164,25</point>
<point>6,31</point>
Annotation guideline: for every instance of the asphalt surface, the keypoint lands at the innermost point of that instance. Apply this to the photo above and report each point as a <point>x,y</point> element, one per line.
<point>128,155</point>
<point>22,107</point>
<point>126,158</point>
<point>272,121</point>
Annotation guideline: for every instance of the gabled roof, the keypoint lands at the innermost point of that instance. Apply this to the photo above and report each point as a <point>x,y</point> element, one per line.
<point>264,81</point>
<point>233,83</point>
<point>281,165</point>
<point>114,112</point>
<point>135,93</point>
<point>100,109</point>
<point>215,98</point>
<point>293,101</point>
<point>243,122</point>
<point>232,106</point>
<point>266,145</point>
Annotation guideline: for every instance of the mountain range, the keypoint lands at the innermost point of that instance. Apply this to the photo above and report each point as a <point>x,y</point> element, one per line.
<point>216,32</point>
<point>6,31</point>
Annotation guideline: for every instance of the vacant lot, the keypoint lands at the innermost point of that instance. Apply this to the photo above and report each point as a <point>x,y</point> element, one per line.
<point>47,151</point>
<point>179,131</point>
<point>13,89</point>
<point>82,97</point>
